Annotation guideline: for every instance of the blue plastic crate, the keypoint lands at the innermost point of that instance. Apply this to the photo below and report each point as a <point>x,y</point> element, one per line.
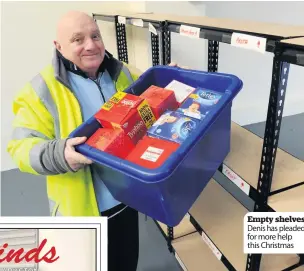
<point>168,192</point>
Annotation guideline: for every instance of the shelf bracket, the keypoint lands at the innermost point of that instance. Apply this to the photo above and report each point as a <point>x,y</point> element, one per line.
<point>213,49</point>
<point>166,44</point>
<point>155,49</point>
<point>170,238</point>
<point>121,41</point>
<point>301,259</point>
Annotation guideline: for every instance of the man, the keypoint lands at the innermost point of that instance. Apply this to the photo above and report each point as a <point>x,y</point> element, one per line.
<point>82,77</point>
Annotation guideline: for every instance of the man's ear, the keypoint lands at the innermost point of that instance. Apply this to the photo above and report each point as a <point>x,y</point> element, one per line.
<point>57,45</point>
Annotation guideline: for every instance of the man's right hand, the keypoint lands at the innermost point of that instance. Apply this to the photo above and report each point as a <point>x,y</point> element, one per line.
<point>73,158</point>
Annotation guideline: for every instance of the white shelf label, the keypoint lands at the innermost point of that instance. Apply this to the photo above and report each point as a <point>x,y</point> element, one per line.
<point>213,248</point>
<point>238,181</point>
<point>249,42</point>
<point>122,20</point>
<point>180,262</point>
<point>189,31</point>
<point>138,22</point>
<point>152,29</point>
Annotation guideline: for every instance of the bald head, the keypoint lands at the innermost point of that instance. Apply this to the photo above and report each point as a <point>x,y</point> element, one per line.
<point>78,39</point>
<point>69,21</point>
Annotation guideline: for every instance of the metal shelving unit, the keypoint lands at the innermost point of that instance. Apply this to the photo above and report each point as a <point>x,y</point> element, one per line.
<point>268,175</point>
<point>156,25</point>
<point>219,225</point>
<point>269,162</point>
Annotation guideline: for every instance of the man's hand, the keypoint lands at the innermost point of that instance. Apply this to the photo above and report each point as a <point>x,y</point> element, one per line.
<point>73,158</point>
<point>173,64</point>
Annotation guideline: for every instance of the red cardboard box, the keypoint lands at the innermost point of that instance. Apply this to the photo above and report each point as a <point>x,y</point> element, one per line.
<point>152,152</point>
<point>112,141</point>
<point>129,112</point>
<point>160,100</point>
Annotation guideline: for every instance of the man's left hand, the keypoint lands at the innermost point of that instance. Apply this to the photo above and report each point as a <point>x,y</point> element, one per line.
<point>173,64</point>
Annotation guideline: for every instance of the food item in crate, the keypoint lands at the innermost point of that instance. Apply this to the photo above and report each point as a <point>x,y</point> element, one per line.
<point>152,152</point>
<point>160,100</point>
<point>129,112</point>
<point>173,126</point>
<point>200,103</point>
<point>181,90</point>
<point>112,141</point>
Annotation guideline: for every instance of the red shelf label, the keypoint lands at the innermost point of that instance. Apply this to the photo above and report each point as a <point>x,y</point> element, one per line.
<point>237,180</point>
<point>249,42</point>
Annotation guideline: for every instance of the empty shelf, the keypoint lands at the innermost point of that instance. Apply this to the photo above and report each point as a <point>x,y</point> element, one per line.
<point>195,255</point>
<point>114,13</point>
<point>293,51</point>
<point>183,228</point>
<point>221,217</point>
<point>296,41</point>
<point>245,157</point>
<point>145,16</point>
<point>277,262</point>
<point>226,24</point>
<point>291,200</point>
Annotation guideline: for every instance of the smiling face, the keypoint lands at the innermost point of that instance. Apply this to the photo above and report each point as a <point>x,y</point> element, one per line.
<point>79,40</point>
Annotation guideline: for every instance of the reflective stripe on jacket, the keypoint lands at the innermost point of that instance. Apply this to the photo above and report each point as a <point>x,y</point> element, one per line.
<point>46,112</point>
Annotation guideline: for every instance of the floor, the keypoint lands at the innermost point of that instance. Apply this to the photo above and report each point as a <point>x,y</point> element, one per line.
<point>25,195</point>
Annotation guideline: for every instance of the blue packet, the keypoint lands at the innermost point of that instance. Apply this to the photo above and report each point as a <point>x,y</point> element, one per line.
<point>199,103</point>
<point>173,126</point>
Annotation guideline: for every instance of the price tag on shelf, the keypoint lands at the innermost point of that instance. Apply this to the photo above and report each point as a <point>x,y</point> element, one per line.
<point>122,20</point>
<point>213,248</point>
<point>189,31</point>
<point>180,262</point>
<point>152,29</point>
<point>138,22</point>
<point>237,180</point>
<point>249,42</point>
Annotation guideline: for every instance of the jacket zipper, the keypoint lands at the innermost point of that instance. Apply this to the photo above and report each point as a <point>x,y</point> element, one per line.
<point>103,97</point>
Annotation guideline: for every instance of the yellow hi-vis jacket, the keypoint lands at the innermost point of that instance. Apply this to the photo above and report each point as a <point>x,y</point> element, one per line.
<point>46,112</point>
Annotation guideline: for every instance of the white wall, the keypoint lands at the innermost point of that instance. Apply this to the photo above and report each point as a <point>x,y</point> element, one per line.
<point>75,247</point>
<point>28,31</point>
<point>195,57</point>
<point>253,68</point>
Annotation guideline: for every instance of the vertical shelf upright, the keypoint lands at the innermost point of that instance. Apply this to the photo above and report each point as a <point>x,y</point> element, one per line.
<point>280,73</point>
<point>155,49</point>
<point>213,52</point>
<point>166,45</point>
<point>121,41</point>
